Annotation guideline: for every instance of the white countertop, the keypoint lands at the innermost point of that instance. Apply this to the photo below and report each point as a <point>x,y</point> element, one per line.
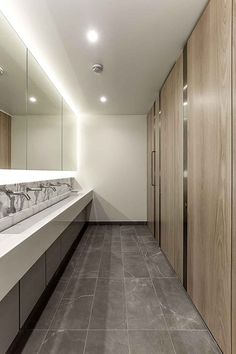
<point>22,244</point>
<point>16,234</point>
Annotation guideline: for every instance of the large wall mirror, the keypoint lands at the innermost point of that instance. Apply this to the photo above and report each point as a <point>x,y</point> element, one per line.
<point>37,127</point>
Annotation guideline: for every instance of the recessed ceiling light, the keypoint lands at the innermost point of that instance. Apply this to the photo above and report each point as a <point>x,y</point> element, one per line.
<point>33,99</point>
<point>103,99</point>
<point>185,103</point>
<point>92,36</point>
<point>185,87</point>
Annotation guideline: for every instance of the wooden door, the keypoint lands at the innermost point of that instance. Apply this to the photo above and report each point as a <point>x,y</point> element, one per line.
<point>5,140</point>
<point>209,169</point>
<point>157,172</point>
<point>172,168</point>
<point>234,188</point>
<point>151,170</point>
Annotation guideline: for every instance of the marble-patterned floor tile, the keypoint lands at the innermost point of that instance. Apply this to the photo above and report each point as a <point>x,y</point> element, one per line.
<point>150,248</point>
<point>73,314</point>
<point>109,305</point>
<point>150,342</point>
<point>34,342</point>
<point>129,246</point>
<point>68,271</point>
<point>194,342</point>
<point>107,342</point>
<point>142,230</point>
<point>146,239</point>
<point>111,266</point>
<point>78,287</point>
<point>49,311</point>
<point>88,265</point>
<point>143,308</point>
<point>178,309</point>
<point>135,266</point>
<point>64,342</point>
<point>113,246</point>
<point>94,243</point>
<point>159,267</point>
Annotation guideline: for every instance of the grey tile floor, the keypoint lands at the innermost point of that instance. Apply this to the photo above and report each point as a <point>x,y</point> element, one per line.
<point>118,295</point>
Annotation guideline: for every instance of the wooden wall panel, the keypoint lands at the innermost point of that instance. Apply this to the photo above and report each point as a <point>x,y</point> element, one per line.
<point>157,172</point>
<point>209,169</point>
<point>5,140</point>
<point>234,188</point>
<point>150,169</point>
<point>172,168</point>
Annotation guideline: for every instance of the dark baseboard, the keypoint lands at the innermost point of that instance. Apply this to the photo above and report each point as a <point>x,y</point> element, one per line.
<point>117,223</point>
<point>25,332</point>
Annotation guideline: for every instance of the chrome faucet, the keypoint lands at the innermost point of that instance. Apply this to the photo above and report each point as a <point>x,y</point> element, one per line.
<point>33,189</point>
<point>47,187</point>
<point>10,193</point>
<point>58,184</point>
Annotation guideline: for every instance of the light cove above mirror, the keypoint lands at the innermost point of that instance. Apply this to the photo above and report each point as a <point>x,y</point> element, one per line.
<point>37,127</point>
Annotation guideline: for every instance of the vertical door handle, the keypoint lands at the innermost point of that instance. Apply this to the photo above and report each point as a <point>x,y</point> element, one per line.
<point>152,168</point>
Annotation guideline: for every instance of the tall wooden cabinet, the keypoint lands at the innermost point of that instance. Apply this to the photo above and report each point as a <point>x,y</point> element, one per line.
<point>197,102</point>
<point>209,169</point>
<point>172,167</point>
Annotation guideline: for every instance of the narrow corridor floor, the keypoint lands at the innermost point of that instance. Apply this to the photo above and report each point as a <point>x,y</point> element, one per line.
<point>118,295</point>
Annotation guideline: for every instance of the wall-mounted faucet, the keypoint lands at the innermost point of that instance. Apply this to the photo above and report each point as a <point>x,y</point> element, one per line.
<point>47,187</point>
<point>58,184</point>
<point>10,193</point>
<point>33,189</point>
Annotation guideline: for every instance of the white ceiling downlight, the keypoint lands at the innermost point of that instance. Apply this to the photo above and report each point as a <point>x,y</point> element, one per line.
<point>92,36</point>
<point>103,99</point>
<point>33,99</point>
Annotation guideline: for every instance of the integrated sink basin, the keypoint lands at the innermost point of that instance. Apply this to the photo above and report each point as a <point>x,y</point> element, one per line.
<point>24,243</point>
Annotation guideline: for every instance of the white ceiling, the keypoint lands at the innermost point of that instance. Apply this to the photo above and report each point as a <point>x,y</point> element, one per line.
<point>139,42</point>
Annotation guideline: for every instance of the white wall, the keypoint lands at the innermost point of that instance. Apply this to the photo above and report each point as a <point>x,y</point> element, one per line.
<point>112,160</point>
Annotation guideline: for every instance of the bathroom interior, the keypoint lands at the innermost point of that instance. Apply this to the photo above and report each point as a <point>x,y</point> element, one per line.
<point>117,177</point>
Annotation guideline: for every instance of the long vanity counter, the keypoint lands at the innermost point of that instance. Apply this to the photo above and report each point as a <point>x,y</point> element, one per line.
<point>24,243</point>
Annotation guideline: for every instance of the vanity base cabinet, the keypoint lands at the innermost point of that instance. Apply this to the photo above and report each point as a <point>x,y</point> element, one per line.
<point>53,259</point>
<point>9,318</point>
<point>32,286</point>
<point>71,233</point>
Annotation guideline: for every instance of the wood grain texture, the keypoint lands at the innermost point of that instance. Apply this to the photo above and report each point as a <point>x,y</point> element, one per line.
<point>5,140</point>
<point>234,188</point>
<point>172,168</point>
<point>157,173</point>
<point>150,166</point>
<point>209,169</point>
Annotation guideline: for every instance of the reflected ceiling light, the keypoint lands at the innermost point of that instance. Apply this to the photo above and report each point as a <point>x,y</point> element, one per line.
<point>92,36</point>
<point>1,70</point>
<point>103,99</point>
<point>33,99</point>
<point>185,87</point>
<point>185,103</point>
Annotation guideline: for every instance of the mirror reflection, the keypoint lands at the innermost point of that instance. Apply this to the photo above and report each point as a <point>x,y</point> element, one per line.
<point>37,130</point>
<point>44,120</point>
<point>12,98</point>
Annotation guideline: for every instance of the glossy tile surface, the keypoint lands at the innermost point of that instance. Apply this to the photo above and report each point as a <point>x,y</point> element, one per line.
<point>119,295</point>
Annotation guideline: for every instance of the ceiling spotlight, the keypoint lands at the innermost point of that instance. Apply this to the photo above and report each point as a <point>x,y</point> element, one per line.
<point>33,99</point>
<point>1,70</point>
<point>92,36</point>
<point>103,99</point>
